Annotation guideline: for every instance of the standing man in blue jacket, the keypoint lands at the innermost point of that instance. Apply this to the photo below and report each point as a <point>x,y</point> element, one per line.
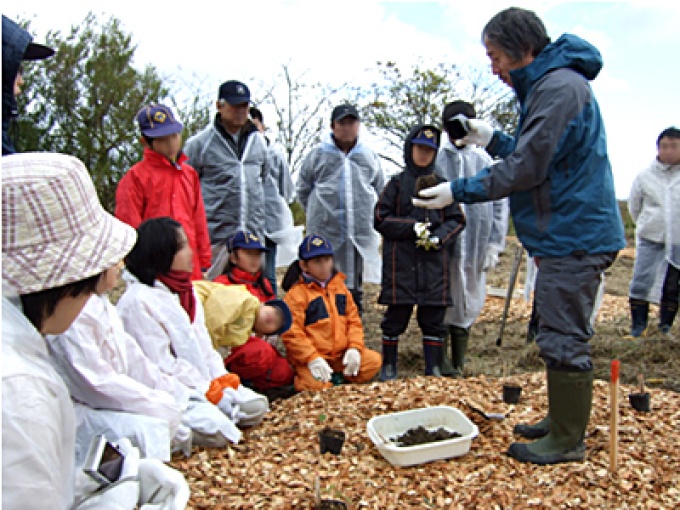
<point>557,174</point>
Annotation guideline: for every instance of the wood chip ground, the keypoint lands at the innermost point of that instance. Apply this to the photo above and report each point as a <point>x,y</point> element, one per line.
<point>275,465</point>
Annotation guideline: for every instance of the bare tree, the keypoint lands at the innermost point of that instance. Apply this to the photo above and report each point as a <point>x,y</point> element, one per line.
<point>399,100</point>
<point>301,109</point>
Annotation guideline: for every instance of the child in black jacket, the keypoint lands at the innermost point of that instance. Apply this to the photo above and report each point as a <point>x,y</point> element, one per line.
<point>417,245</point>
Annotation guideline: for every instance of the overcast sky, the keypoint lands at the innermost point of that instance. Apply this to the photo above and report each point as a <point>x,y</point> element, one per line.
<point>338,40</point>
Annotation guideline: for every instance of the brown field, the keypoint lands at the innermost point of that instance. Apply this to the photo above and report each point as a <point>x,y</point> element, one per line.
<point>657,357</point>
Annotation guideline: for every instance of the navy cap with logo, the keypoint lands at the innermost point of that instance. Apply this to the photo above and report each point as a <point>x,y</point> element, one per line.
<point>314,246</point>
<point>427,136</point>
<point>234,92</point>
<point>285,312</point>
<point>344,110</point>
<point>246,241</point>
<point>157,120</point>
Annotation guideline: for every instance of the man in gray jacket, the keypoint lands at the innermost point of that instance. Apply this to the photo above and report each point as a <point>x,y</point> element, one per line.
<point>230,156</point>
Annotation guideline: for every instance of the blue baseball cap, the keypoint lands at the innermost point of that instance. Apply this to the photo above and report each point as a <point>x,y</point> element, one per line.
<point>314,246</point>
<point>285,312</point>
<point>234,92</point>
<point>156,120</point>
<point>427,136</point>
<point>245,240</point>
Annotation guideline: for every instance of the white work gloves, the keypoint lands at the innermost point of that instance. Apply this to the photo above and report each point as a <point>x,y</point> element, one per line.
<point>490,259</point>
<point>182,440</point>
<point>352,361</point>
<point>479,133</point>
<point>436,197</point>
<point>320,369</point>
<point>425,238</point>
<point>147,484</point>
<point>229,405</point>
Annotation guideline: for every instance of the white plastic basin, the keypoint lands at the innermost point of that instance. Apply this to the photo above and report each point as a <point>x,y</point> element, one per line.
<point>389,426</point>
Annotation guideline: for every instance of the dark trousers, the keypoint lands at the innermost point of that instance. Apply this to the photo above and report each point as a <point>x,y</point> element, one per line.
<point>565,296</point>
<point>430,320</point>
<point>270,263</point>
<point>671,287</point>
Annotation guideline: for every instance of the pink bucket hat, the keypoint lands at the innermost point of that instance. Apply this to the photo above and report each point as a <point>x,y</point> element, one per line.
<point>54,230</point>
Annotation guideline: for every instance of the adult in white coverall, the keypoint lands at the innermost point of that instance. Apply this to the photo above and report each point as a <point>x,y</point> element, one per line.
<point>155,317</point>
<point>119,391</point>
<point>230,157</point>
<point>650,205</point>
<point>478,246</point>
<point>56,240</point>
<point>282,237</point>
<point>338,186</point>
<point>669,145</point>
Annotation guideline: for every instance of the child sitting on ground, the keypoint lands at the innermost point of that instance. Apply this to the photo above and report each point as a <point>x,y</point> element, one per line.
<point>327,335</point>
<point>162,312</point>
<point>257,362</point>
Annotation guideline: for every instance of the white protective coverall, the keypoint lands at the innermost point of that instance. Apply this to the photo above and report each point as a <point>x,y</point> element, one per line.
<point>649,208</point>
<point>38,423</point>
<point>672,218</point>
<point>116,384</point>
<point>38,437</point>
<point>480,243</point>
<point>338,192</point>
<point>279,225</point>
<point>155,318</point>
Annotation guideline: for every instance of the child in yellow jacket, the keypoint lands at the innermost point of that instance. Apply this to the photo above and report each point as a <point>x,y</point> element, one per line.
<point>326,335</point>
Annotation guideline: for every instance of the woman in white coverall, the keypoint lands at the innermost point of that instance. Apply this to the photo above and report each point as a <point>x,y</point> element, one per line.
<point>119,392</point>
<point>56,240</point>
<point>166,319</point>
<point>478,246</point>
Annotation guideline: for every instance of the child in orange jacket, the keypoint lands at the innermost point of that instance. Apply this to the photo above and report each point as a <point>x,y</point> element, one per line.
<point>326,336</point>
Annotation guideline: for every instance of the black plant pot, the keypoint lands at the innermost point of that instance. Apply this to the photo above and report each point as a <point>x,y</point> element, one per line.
<point>330,504</point>
<point>511,393</point>
<point>331,440</point>
<point>640,401</point>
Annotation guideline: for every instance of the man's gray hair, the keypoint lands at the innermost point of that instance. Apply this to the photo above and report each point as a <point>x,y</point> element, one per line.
<point>517,32</point>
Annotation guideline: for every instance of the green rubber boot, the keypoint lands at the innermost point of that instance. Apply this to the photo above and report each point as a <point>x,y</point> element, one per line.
<point>536,430</point>
<point>447,367</point>
<point>570,397</point>
<point>459,343</point>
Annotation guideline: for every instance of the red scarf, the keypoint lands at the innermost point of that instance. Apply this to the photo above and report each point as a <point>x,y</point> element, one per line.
<point>179,282</point>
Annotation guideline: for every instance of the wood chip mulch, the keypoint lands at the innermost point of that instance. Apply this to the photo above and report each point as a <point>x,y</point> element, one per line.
<point>276,464</point>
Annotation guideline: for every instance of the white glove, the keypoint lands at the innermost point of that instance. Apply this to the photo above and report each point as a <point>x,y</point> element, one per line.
<point>480,133</point>
<point>182,440</point>
<point>229,405</point>
<point>422,229</point>
<point>320,369</point>
<point>161,487</point>
<point>352,361</point>
<point>491,259</point>
<point>436,197</point>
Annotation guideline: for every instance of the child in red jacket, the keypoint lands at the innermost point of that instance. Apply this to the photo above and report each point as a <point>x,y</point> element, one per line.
<point>327,336</point>
<point>162,184</point>
<point>257,362</point>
